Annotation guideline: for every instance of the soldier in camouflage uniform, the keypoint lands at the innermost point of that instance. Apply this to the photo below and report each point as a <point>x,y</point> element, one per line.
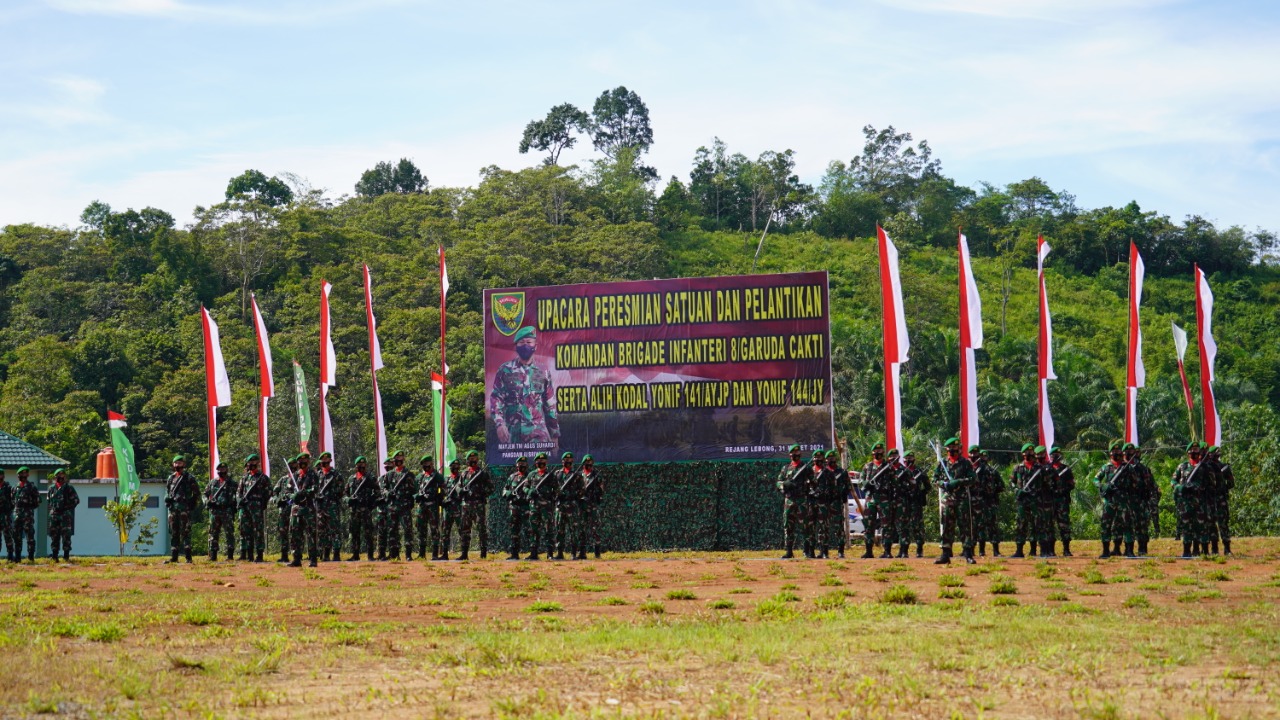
<point>252,498</point>
<point>6,518</point>
<point>430,497</point>
<point>362,498</point>
<point>479,486</point>
<point>516,491</point>
<point>382,511</point>
<point>523,402</point>
<point>1189,482</point>
<point>1115,485</point>
<point>281,495</point>
<point>1062,482</point>
<point>568,508</point>
<point>592,499</point>
<point>542,502</point>
<point>63,500</point>
<point>329,495</point>
<point>220,501</point>
<point>1219,501</point>
<point>879,482</point>
<point>1046,502</point>
<point>401,489</point>
<point>26,498</point>
<point>182,495</point>
<point>1144,489</point>
<point>837,502</point>
<point>817,504</point>
<point>303,528</point>
<point>793,481</point>
<point>987,486</point>
<point>916,489</point>
<point>1028,482</point>
<point>454,510</point>
<point>1153,500</point>
<point>954,475</point>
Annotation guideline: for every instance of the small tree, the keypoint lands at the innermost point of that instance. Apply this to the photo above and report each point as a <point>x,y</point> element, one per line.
<point>124,516</point>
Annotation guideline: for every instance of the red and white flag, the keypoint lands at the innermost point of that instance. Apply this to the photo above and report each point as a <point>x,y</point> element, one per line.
<point>970,339</point>
<point>375,364</point>
<point>443,439</point>
<point>1045,364</point>
<point>328,369</point>
<point>1137,373</point>
<point>1180,344</point>
<point>217,384</point>
<point>1208,354</point>
<point>266,383</point>
<point>896,342</point>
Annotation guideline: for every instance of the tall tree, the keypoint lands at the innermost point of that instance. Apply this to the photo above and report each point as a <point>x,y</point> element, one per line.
<point>253,185</point>
<point>555,133</point>
<point>620,121</point>
<point>403,177</point>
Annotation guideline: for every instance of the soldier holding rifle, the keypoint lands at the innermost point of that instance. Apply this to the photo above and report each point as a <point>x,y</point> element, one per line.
<point>954,477</point>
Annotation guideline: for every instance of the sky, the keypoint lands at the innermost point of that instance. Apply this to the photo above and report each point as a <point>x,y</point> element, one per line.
<point>160,102</point>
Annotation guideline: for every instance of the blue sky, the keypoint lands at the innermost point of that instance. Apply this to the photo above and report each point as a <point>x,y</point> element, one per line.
<point>160,102</point>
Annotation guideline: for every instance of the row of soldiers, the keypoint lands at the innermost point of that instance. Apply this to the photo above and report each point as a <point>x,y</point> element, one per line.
<point>18,507</point>
<point>1201,496</point>
<point>318,507</point>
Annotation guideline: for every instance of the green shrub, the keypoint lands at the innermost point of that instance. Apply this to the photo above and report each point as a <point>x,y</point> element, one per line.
<point>1001,585</point>
<point>652,607</point>
<point>899,595</point>
<point>721,604</point>
<point>681,594</point>
<point>952,593</point>
<point>545,606</point>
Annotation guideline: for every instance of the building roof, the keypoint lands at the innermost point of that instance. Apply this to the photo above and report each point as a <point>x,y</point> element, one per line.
<point>15,452</point>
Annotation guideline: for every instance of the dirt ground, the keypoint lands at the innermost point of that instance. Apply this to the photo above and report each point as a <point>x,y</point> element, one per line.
<point>673,635</point>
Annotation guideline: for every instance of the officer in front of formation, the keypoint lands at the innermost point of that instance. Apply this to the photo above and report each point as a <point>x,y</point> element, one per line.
<point>63,500</point>
<point>793,482</point>
<point>182,496</point>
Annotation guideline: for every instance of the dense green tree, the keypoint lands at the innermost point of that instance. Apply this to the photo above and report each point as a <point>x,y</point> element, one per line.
<point>556,132</point>
<point>254,186</point>
<point>620,121</point>
<point>403,177</point>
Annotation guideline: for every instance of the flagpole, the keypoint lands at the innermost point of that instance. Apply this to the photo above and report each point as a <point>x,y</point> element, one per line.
<point>1045,360</point>
<point>444,368</point>
<point>375,360</point>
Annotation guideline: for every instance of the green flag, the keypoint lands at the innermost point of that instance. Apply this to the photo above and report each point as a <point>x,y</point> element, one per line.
<point>126,468</point>
<point>304,407</point>
<point>450,450</point>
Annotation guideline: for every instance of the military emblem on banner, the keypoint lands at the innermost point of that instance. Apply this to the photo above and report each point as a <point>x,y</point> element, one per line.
<point>508,312</point>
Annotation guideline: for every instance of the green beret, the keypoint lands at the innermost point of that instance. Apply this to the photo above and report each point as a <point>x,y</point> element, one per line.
<point>59,471</point>
<point>359,459</point>
<point>522,459</point>
<point>1203,446</point>
<point>879,444</point>
<point>251,458</point>
<point>1115,445</point>
<point>588,457</point>
<point>951,441</point>
<point>220,466</point>
<point>301,455</point>
<point>975,449</point>
<point>1027,446</point>
<point>910,454</point>
<point>388,463</point>
<point>427,459</point>
<point>567,456</point>
<point>326,454</point>
<point>292,460</point>
<point>793,448</point>
<point>1039,449</point>
<point>525,332</point>
<point>1193,447</point>
<point>894,451</point>
<point>539,456</point>
<point>454,462</point>
<point>397,454</point>
<point>1130,446</point>
<point>818,453</point>
<point>833,454</point>
<point>472,454</point>
<point>1214,449</point>
<point>1055,449</point>
<point>178,458</point>
<point>24,468</point>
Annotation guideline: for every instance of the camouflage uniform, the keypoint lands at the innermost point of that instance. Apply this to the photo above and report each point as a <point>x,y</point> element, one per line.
<point>988,485</point>
<point>382,511</point>
<point>220,501</point>
<point>1218,500</point>
<point>6,519</point>
<point>1029,483</point>
<point>455,513</point>
<point>542,502</point>
<point>302,518</point>
<point>362,498</point>
<point>26,500</point>
<point>568,512</point>
<point>430,497</point>
<point>281,495</point>
<point>63,500</point>
<point>1189,482</point>
<point>516,491</point>
<point>523,402</point>
<point>1062,484</point>
<point>592,500</point>
<point>182,497</point>
<point>254,493</point>
<point>479,485</point>
<point>1144,489</point>
<point>880,483</point>
<point>401,487</point>
<point>329,496</point>
<point>1115,485</point>
<point>793,480</point>
<point>839,507</point>
<point>916,488</point>
<point>957,506</point>
<point>821,491</point>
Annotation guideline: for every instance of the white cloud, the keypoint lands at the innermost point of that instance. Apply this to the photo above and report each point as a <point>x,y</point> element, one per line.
<point>283,12</point>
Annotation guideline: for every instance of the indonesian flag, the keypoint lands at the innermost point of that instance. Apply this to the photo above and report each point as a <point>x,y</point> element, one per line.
<point>1208,354</point>
<point>328,369</point>
<point>1046,349</point>
<point>266,384</point>
<point>1180,344</point>
<point>126,469</point>
<point>896,342</point>
<point>375,364</point>
<point>217,384</point>
<point>970,339</point>
<point>1137,374</point>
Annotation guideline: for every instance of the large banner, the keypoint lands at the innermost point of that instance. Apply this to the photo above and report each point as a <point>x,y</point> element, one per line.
<point>721,368</point>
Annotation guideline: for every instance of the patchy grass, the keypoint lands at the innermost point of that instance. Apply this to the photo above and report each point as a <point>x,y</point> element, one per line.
<point>721,604</point>
<point>681,594</point>
<point>545,606</point>
<point>899,595</point>
<point>1002,585</point>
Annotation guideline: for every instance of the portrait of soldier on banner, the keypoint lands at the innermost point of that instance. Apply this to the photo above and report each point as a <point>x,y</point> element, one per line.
<point>522,403</point>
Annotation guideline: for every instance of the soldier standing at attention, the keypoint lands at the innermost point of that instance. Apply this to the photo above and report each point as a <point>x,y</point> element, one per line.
<point>181,495</point>
<point>254,492</point>
<point>878,480</point>
<point>836,502</point>
<point>1062,484</point>
<point>818,502</point>
<point>6,518</point>
<point>954,476</point>
<point>1219,500</point>
<point>1112,481</point>
<point>523,402</point>
<point>987,485</point>
<point>382,511</point>
<point>568,507</point>
<point>281,495</point>
<point>329,496</point>
<point>63,500</point>
<point>1143,489</point>
<point>302,519</point>
<point>1026,482</point>
<point>1188,486</point>
<point>362,497</point>
<point>1045,504</point>
<point>430,497</point>
<point>220,501</point>
<point>479,485</point>
<point>401,489</point>
<point>592,499</point>
<point>916,486</point>
<point>542,502</point>
<point>793,481</point>
<point>516,491</point>
<point>454,511</point>
<point>26,498</point>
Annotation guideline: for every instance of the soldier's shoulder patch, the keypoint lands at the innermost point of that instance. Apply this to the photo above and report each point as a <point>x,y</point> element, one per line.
<point>508,312</point>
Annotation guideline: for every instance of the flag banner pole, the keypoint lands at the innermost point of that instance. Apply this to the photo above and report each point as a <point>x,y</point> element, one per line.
<point>896,342</point>
<point>970,340</point>
<point>1208,355</point>
<point>217,384</point>
<point>1045,363</point>
<point>266,383</point>
<point>1136,372</point>
<point>375,364</point>
<point>328,369</point>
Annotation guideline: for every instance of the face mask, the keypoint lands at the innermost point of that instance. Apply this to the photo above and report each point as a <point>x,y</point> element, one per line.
<point>524,351</point>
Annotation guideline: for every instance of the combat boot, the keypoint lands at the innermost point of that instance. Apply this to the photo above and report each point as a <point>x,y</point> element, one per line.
<point>1106,551</point>
<point>597,553</point>
<point>968,556</point>
<point>466,546</point>
<point>1213,546</point>
<point>284,556</point>
<point>1031,548</point>
<point>259,558</point>
<point>919,550</point>
<point>213,555</point>
<point>1066,548</point>
<point>982,548</point>
<point>66,556</point>
<point>887,553</point>
<point>1226,546</point>
<point>1046,550</point>
<point>1115,548</point>
<point>532,556</point>
<point>188,557</point>
<point>995,550</point>
<point>313,562</point>
<point>1186,550</point>
<point>945,557</point>
<point>173,558</point>
<point>789,554</point>
<point>297,560</point>
<point>868,553</point>
<point>1017,552</point>
<point>902,550</point>
<point>1142,548</point>
<point>325,555</point>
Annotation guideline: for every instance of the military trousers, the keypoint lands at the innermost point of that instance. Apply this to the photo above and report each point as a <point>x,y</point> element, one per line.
<point>222,522</point>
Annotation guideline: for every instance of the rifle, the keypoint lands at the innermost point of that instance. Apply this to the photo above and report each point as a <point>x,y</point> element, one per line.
<point>328,481</point>
<point>1027,485</point>
<point>534,491</point>
<point>217,494</point>
<point>872,481</point>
